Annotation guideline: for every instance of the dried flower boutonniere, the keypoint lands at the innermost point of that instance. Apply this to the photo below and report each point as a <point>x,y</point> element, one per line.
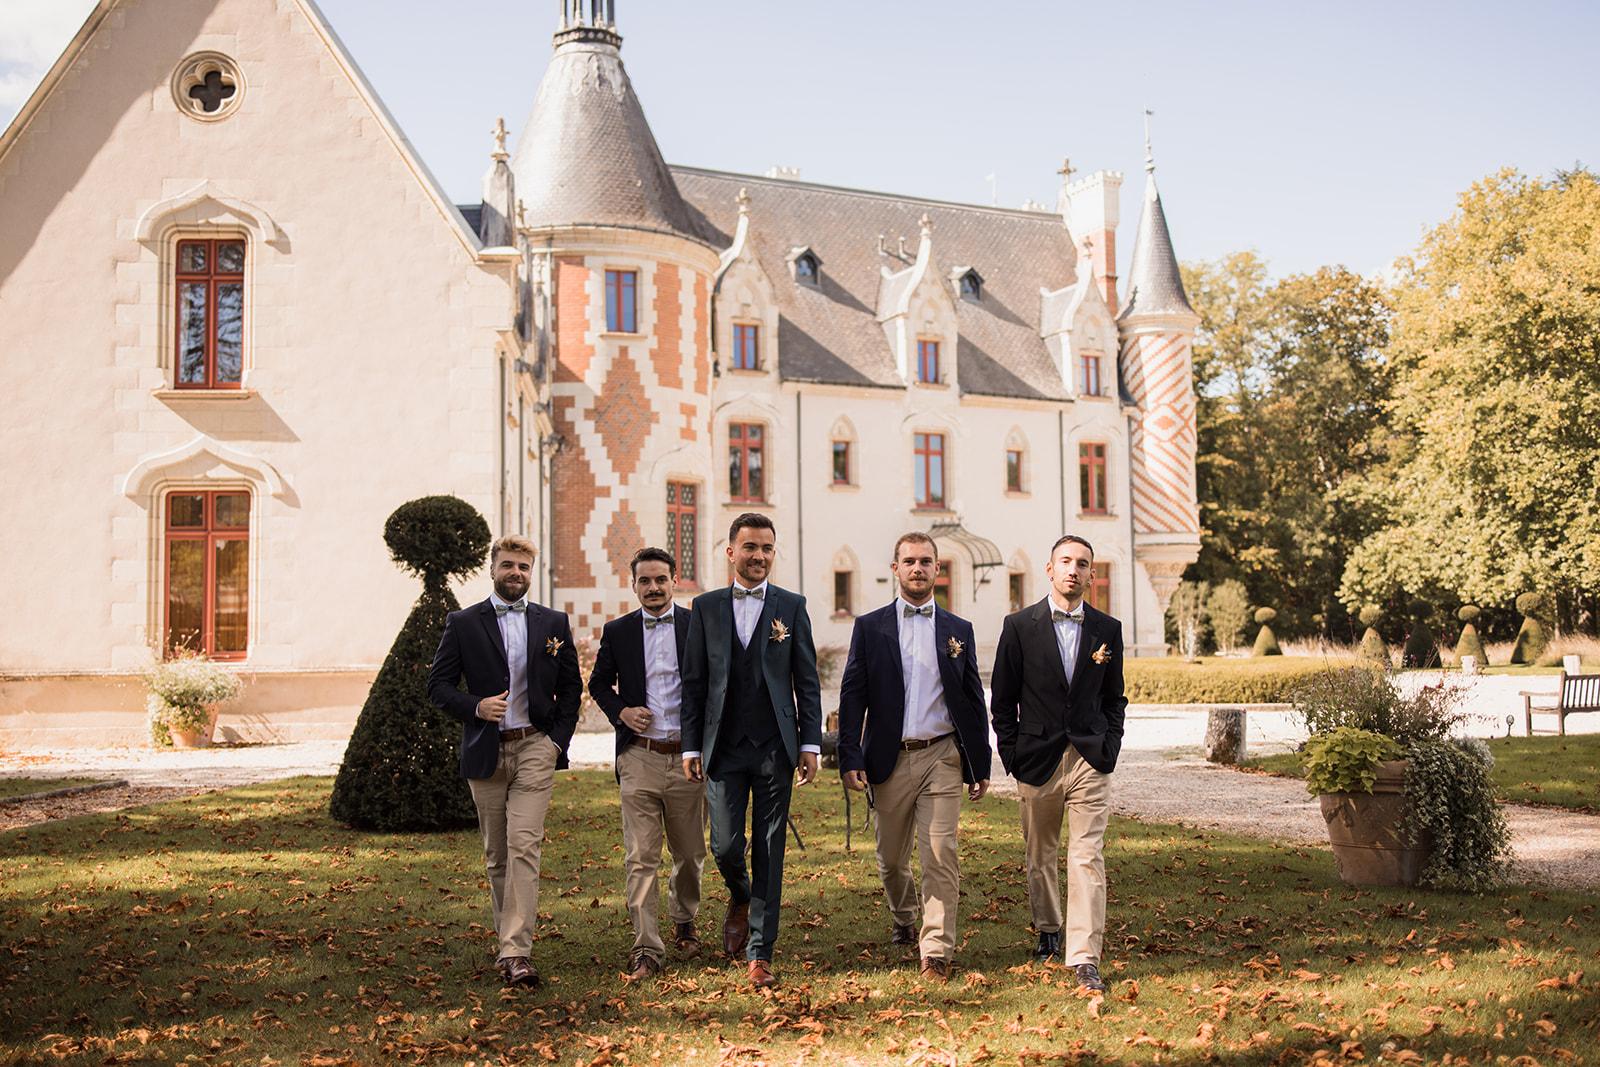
<point>955,647</point>
<point>553,645</point>
<point>1101,655</point>
<point>780,632</point>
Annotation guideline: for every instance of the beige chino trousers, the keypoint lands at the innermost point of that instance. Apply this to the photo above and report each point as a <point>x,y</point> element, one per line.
<point>658,803</point>
<point>1084,794</point>
<point>921,801</point>
<point>512,804</point>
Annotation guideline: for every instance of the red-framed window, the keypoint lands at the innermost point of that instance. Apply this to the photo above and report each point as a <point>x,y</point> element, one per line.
<point>841,593</point>
<point>1092,477</point>
<point>1017,590</point>
<point>746,462</point>
<point>841,463</point>
<point>942,587</point>
<point>927,361</point>
<point>1091,374</point>
<point>746,346</point>
<point>927,469</point>
<point>209,285</point>
<point>683,529</point>
<point>207,550</point>
<point>1099,592</point>
<point>622,301</point>
<point>1013,470</point>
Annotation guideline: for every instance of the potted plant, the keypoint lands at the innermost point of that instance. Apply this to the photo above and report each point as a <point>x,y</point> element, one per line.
<point>1405,802</point>
<point>186,692</point>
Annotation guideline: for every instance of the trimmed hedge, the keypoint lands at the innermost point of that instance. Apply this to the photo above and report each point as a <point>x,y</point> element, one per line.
<point>1221,681</point>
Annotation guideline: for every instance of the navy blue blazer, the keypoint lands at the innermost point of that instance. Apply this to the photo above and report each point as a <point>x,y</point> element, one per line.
<point>471,648</point>
<point>1036,714</point>
<point>617,680</point>
<point>872,696</point>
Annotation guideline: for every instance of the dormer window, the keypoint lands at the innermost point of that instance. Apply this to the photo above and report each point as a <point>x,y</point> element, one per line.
<point>969,284</point>
<point>806,266</point>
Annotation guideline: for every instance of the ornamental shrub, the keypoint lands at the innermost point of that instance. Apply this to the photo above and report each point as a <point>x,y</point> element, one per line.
<point>1170,680</point>
<point>1531,639</point>
<point>1450,795</point>
<point>1422,648</point>
<point>1346,760</point>
<point>1266,641</point>
<point>1372,644</point>
<point>1364,698</point>
<point>401,769</point>
<point>1470,644</point>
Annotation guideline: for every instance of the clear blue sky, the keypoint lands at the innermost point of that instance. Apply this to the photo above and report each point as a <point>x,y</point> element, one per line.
<point>1329,133</point>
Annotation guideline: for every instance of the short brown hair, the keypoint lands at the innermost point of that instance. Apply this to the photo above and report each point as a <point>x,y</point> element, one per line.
<point>512,543</point>
<point>1071,539</point>
<point>753,520</point>
<point>915,537</point>
<point>652,555</point>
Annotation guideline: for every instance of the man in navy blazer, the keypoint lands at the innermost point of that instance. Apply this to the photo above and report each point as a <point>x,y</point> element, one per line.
<point>912,724</point>
<point>638,683</point>
<point>752,727</point>
<point>518,710</point>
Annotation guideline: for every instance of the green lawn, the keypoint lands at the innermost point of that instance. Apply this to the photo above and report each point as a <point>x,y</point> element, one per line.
<point>16,787</point>
<point>243,927</point>
<point>1560,771</point>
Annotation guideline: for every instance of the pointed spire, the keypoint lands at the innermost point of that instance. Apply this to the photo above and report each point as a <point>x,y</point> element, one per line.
<point>1155,285</point>
<point>1149,156</point>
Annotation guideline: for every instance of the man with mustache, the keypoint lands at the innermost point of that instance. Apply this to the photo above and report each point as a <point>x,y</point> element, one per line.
<point>1058,706</point>
<point>752,727</point>
<point>638,683</point>
<point>517,712</point>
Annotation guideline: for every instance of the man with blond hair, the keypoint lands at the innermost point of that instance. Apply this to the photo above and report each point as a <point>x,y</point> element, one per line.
<point>518,710</point>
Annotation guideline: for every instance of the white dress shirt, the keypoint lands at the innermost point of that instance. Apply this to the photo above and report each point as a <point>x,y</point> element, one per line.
<point>926,716</point>
<point>1068,635</point>
<point>663,684</point>
<point>514,635</point>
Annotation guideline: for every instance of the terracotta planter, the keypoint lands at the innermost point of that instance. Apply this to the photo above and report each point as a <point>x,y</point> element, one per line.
<point>1368,832</point>
<point>198,738</point>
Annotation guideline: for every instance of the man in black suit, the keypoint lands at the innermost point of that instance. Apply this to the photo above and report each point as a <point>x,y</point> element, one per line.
<point>638,683</point>
<point>517,713</point>
<point>1058,708</point>
<point>752,726</point>
<point>912,724</point>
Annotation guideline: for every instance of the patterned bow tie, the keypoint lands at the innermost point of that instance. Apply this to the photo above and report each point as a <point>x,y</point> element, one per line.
<point>740,592</point>
<point>652,621</point>
<point>519,607</point>
<point>1067,616</point>
<point>926,611</point>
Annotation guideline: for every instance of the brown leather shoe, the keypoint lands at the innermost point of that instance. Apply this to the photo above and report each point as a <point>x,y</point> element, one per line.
<point>903,935</point>
<point>685,940</point>
<point>935,969</point>
<point>736,929</point>
<point>761,976</point>
<point>643,965</point>
<point>519,971</point>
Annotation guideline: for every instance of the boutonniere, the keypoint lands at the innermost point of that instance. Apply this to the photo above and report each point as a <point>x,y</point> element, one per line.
<point>780,632</point>
<point>553,645</point>
<point>1101,655</point>
<point>955,647</point>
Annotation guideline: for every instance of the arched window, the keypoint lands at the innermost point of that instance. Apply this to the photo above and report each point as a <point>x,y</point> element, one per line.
<point>206,553</point>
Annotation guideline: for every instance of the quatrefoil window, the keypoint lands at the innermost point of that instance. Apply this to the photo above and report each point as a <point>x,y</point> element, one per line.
<point>208,86</point>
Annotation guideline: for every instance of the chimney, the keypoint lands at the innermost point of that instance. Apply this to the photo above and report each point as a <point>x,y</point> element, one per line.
<point>1090,209</point>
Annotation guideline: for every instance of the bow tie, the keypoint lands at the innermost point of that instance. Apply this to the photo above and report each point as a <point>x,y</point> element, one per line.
<point>740,592</point>
<point>519,607</point>
<point>1068,616</point>
<point>652,621</point>
<point>926,611</point>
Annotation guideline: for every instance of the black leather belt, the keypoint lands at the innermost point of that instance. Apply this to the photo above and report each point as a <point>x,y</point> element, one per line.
<point>519,733</point>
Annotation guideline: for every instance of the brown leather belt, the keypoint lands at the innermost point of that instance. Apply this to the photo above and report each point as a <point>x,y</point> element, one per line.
<point>913,746</point>
<point>666,748</point>
<point>519,733</point>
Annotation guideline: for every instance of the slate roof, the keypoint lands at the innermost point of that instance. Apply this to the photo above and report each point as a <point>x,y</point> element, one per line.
<point>587,155</point>
<point>831,333</point>
<point>1155,286</point>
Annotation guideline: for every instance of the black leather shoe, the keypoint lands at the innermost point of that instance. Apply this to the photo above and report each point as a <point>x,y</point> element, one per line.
<point>903,935</point>
<point>1089,977</point>
<point>1049,947</point>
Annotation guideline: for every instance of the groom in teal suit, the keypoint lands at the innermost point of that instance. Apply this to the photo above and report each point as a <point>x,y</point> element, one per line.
<point>752,727</point>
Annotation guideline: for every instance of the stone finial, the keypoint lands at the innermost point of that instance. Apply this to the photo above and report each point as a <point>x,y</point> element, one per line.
<point>1067,170</point>
<point>926,225</point>
<point>744,201</point>
<point>1149,156</point>
<point>522,214</point>
<point>500,134</point>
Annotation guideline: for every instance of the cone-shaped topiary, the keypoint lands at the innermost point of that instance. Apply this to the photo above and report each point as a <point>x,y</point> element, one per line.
<point>1470,644</point>
<point>1531,639</point>
<point>1266,640</point>
<point>401,770</point>
<point>1422,648</point>
<point>1372,645</point>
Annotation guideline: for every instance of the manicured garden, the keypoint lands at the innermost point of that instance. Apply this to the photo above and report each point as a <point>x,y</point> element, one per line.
<point>246,926</point>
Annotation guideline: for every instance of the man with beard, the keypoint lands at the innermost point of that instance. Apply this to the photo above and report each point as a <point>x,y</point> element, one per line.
<point>752,726</point>
<point>912,724</point>
<point>1058,708</point>
<point>638,684</point>
<point>517,712</point>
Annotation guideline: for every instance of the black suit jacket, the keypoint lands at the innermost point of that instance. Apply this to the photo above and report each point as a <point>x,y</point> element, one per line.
<point>872,695</point>
<point>617,680</point>
<point>790,668</point>
<point>472,648</point>
<point>1036,715</point>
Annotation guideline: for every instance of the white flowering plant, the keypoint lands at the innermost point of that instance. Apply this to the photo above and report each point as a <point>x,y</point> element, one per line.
<point>183,691</point>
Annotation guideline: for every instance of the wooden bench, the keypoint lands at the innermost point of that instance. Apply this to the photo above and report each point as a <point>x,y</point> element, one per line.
<point>1575,693</point>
